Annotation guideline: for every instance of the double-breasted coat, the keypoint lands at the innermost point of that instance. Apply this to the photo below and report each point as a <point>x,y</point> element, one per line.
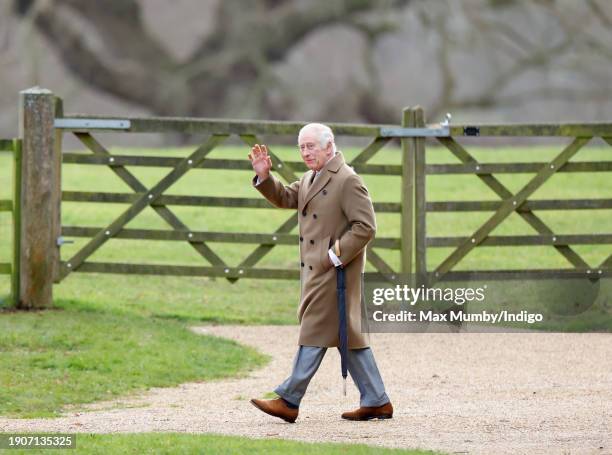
<point>335,206</point>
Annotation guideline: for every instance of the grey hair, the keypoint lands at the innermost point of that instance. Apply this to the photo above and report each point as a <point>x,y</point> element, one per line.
<point>326,135</point>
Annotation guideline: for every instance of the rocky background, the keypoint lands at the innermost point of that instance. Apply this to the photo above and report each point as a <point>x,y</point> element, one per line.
<point>332,60</point>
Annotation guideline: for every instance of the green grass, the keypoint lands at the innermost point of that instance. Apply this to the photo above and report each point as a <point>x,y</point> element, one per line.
<point>181,443</point>
<point>79,354</point>
<point>274,301</point>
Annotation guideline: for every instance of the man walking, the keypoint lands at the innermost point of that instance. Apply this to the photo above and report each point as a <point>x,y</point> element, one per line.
<point>336,222</point>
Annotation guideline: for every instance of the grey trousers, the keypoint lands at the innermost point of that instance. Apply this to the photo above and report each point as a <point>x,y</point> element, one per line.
<point>361,366</point>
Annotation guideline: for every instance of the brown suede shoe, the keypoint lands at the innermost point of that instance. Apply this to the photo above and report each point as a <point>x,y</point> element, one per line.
<point>367,413</point>
<point>276,408</point>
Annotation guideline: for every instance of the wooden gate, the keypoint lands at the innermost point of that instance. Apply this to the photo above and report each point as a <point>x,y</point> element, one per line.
<point>156,198</point>
<point>43,125</point>
<point>578,136</point>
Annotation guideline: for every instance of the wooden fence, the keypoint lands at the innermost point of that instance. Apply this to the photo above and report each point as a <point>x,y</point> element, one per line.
<point>38,196</point>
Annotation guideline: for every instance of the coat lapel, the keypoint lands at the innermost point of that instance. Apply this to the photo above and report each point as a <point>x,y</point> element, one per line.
<point>330,168</point>
<point>306,186</point>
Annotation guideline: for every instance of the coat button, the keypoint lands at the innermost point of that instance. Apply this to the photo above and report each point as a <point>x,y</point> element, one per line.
<point>324,191</point>
<point>314,215</point>
<point>310,267</point>
<point>312,242</point>
<point>301,238</point>
<point>304,212</point>
<point>302,264</point>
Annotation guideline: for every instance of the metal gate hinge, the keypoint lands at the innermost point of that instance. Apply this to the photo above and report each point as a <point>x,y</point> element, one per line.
<point>89,124</point>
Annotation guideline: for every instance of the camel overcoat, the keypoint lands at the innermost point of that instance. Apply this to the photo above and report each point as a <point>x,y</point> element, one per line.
<point>336,206</point>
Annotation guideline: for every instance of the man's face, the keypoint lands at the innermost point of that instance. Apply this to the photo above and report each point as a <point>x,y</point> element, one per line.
<point>313,154</point>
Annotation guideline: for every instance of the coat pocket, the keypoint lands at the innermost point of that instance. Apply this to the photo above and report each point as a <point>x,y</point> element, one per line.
<point>324,259</point>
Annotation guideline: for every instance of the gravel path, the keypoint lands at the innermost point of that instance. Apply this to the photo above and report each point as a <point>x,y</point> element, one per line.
<point>469,393</point>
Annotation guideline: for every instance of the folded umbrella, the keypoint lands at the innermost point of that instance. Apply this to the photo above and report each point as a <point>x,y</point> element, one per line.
<point>342,329</point>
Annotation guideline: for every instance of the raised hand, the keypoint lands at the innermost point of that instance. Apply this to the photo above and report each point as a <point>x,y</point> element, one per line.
<point>260,160</point>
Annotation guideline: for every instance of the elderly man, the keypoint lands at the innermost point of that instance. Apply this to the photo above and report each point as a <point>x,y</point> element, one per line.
<point>336,222</point>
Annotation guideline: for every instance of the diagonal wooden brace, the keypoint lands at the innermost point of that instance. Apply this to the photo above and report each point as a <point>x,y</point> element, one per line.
<point>141,203</point>
<point>510,205</point>
<point>162,210</point>
<point>531,218</point>
<point>370,150</point>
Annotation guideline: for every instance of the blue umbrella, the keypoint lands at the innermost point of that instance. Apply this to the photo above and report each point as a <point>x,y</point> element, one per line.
<point>342,330</point>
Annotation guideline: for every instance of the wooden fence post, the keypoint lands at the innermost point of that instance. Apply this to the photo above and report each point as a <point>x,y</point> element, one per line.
<point>407,196</point>
<point>40,198</point>
<point>420,227</point>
